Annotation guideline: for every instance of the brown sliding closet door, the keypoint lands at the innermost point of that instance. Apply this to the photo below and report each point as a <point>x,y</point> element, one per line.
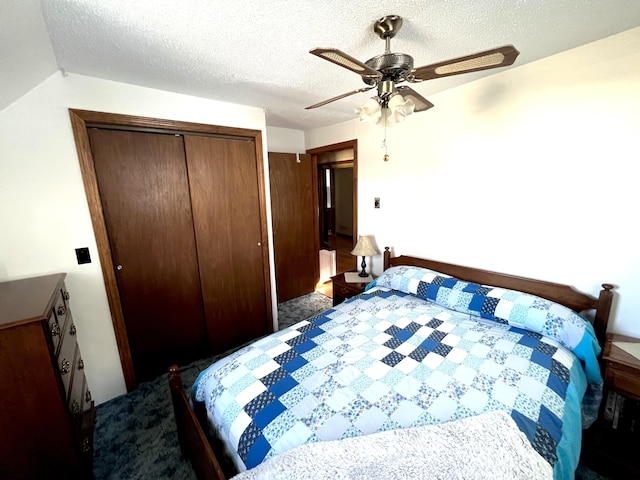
<point>224,185</point>
<point>143,184</point>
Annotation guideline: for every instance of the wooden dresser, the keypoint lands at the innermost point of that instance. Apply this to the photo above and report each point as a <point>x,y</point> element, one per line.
<point>46,411</point>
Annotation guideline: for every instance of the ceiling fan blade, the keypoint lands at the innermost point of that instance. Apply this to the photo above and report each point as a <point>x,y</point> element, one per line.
<point>340,58</point>
<point>420,102</point>
<point>494,58</point>
<point>363,89</point>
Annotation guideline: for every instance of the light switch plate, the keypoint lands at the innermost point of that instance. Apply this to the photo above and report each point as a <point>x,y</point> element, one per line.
<point>82,254</point>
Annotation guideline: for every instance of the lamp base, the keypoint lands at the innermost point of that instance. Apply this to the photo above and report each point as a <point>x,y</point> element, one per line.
<point>363,273</point>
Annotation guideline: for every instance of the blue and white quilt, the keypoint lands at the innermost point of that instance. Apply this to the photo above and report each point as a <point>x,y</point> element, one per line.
<point>418,348</point>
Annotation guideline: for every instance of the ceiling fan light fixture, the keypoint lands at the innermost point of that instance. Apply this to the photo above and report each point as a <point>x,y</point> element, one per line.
<point>471,64</point>
<point>398,109</point>
<point>377,111</point>
<point>370,112</point>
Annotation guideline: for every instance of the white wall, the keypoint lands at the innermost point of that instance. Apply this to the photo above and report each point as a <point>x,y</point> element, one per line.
<point>285,140</point>
<point>44,213</point>
<point>338,133</point>
<point>531,171</point>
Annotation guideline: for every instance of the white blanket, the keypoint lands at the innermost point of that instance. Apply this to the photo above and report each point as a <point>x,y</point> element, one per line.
<point>488,446</point>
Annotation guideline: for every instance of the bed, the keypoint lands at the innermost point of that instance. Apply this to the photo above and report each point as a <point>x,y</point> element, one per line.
<point>429,348</point>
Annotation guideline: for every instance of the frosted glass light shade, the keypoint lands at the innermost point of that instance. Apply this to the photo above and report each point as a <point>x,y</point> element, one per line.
<point>398,109</point>
<point>370,111</point>
<point>395,110</point>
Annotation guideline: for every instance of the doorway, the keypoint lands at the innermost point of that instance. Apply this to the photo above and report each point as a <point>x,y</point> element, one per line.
<point>336,211</point>
<point>337,206</point>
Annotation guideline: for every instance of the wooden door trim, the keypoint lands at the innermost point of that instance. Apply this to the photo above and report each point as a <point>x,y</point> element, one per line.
<point>81,120</point>
<point>262,196</point>
<point>314,152</point>
<point>315,201</point>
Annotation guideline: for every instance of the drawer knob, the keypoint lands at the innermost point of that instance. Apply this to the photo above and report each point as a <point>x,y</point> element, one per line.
<point>75,407</point>
<point>62,310</point>
<point>80,364</point>
<point>55,330</point>
<point>87,396</point>
<point>344,290</point>
<point>72,330</point>
<point>65,367</point>
<point>66,295</point>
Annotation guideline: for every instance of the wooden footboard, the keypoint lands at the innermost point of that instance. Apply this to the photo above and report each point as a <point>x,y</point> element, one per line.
<point>194,442</point>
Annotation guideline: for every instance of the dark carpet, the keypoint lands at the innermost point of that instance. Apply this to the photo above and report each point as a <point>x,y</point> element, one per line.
<point>135,434</point>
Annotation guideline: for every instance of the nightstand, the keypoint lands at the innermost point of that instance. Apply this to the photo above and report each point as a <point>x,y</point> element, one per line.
<point>611,444</point>
<point>343,290</point>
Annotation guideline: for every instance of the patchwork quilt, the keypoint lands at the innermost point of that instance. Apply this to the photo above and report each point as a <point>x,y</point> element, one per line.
<point>389,359</point>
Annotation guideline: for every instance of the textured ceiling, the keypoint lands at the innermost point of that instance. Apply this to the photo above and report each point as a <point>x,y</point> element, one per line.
<point>256,52</point>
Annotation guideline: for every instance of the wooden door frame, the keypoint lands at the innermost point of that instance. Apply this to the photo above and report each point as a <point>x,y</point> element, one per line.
<point>81,120</point>
<point>315,152</point>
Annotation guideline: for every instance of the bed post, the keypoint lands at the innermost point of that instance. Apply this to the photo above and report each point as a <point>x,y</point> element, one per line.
<point>175,386</point>
<point>387,258</point>
<point>601,320</point>
<point>194,443</point>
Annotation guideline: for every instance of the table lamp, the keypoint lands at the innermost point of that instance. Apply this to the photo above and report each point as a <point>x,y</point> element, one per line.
<point>365,248</point>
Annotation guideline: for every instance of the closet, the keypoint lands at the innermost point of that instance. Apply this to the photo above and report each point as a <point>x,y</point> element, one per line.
<point>182,213</point>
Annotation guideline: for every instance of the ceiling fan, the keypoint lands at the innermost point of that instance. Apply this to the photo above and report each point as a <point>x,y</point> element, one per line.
<point>386,71</point>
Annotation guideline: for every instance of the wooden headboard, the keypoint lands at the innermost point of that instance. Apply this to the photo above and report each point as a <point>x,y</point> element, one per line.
<point>556,292</point>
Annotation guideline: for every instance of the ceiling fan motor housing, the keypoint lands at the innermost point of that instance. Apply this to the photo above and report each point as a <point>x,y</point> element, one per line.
<point>393,66</point>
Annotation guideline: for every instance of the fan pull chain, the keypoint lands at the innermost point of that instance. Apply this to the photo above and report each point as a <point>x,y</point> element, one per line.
<point>384,141</point>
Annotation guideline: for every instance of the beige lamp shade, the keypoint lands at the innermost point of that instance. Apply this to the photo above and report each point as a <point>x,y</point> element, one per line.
<point>364,247</point>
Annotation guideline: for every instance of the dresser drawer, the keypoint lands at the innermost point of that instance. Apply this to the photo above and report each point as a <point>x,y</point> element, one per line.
<point>83,427</point>
<point>347,290</point>
<point>60,309</point>
<point>80,395</point>
<point>623,382</point>
<point>66,355</point>
<point>78,385</point>
<point>57,317</point>
<point>55,329</point>
<point>87,399</point>
<point>86,438</point>
<point>65,295</point>
<point>343,289</point>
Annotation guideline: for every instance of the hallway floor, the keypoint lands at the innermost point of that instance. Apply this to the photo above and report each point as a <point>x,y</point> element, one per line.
<point>345,262</point>
<point>343,244</point>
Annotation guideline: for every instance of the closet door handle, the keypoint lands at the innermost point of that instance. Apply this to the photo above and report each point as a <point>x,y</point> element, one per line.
<point>118,267</point>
